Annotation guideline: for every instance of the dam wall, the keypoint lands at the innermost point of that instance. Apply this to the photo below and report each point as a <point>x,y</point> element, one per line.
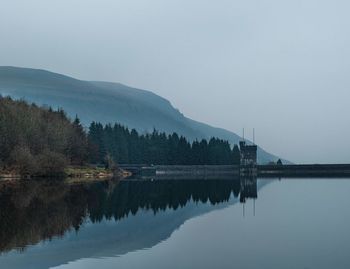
<point>304,170</point>
<point>196,171</point>
<point>235,171</point>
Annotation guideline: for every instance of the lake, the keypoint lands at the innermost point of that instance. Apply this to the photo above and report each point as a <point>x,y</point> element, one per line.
<point>248,223</point>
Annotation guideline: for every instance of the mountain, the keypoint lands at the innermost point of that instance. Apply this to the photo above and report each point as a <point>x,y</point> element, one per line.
<point>108,102</point>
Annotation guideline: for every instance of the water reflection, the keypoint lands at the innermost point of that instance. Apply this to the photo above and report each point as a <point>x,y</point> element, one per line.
<point>299,223</point>
<point>31,212</point>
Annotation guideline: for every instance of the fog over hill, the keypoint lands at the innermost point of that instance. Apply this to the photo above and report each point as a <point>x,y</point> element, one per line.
<point>108,102</point>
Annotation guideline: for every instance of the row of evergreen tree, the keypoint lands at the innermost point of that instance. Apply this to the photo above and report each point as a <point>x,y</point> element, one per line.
<point>126,146</point>
<point>37,140</point>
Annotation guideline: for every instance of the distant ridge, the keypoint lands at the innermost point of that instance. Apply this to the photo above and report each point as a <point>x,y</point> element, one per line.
<point>108,102</point>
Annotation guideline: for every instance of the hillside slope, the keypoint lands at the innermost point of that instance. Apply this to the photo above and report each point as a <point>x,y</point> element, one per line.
<point>108,102</point>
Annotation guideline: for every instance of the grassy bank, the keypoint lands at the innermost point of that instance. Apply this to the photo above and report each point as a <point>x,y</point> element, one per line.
<point>78,173</point>
<point>87,172</point>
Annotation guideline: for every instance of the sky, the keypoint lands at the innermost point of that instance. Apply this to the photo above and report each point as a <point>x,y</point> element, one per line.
<point>279,66</point>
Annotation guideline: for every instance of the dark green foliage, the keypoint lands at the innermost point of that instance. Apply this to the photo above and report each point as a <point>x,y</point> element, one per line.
<point>38,141</point>
<point>129,147</point>
<point>77,144</point>
<point>236,155</point>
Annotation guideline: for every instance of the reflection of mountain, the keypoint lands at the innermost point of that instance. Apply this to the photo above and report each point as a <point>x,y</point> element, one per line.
<point>45,211</point>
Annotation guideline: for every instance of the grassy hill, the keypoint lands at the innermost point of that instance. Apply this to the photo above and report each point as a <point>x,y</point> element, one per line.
<point>108,102</point>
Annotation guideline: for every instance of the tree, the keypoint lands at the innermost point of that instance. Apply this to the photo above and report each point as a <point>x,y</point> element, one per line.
<point>126,146</point>
<point>23,161</point>
<point>38,140</point>
<point>236,155</point>
<point>77,144</point>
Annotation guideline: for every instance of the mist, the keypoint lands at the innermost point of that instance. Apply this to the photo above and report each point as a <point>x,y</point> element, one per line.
<point>280,67</point>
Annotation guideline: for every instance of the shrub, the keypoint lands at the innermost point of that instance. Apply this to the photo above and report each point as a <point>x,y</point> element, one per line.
<point>50,163</point>
<point>23,161</point>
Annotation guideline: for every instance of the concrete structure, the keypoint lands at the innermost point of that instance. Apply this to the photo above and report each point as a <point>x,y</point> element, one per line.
<point>248,161</point>
<point>248,153</point>
<point>305,170</point>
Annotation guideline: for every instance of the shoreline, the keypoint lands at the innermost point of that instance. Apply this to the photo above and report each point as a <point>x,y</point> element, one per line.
<point>71,174</point>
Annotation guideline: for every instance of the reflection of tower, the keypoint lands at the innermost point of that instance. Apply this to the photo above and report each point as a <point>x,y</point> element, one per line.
<point>254,207</point>
<point>248,190</point>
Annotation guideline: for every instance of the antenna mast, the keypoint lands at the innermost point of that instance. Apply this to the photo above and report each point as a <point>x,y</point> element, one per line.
<point>254,136</point>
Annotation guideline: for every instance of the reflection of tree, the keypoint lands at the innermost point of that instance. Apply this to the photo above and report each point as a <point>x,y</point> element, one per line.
<point>30,212</point>
<point>132,196</point>
<point>35,211</point>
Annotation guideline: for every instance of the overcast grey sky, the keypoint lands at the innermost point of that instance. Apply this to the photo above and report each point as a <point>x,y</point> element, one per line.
<point>279,66</point>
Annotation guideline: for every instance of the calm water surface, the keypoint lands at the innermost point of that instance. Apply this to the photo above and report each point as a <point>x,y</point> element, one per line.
<point>288,223</point>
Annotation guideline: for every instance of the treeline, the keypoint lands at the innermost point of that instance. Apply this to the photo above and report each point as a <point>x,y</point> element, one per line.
<point>38,141</point>
<point>126,146</point>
